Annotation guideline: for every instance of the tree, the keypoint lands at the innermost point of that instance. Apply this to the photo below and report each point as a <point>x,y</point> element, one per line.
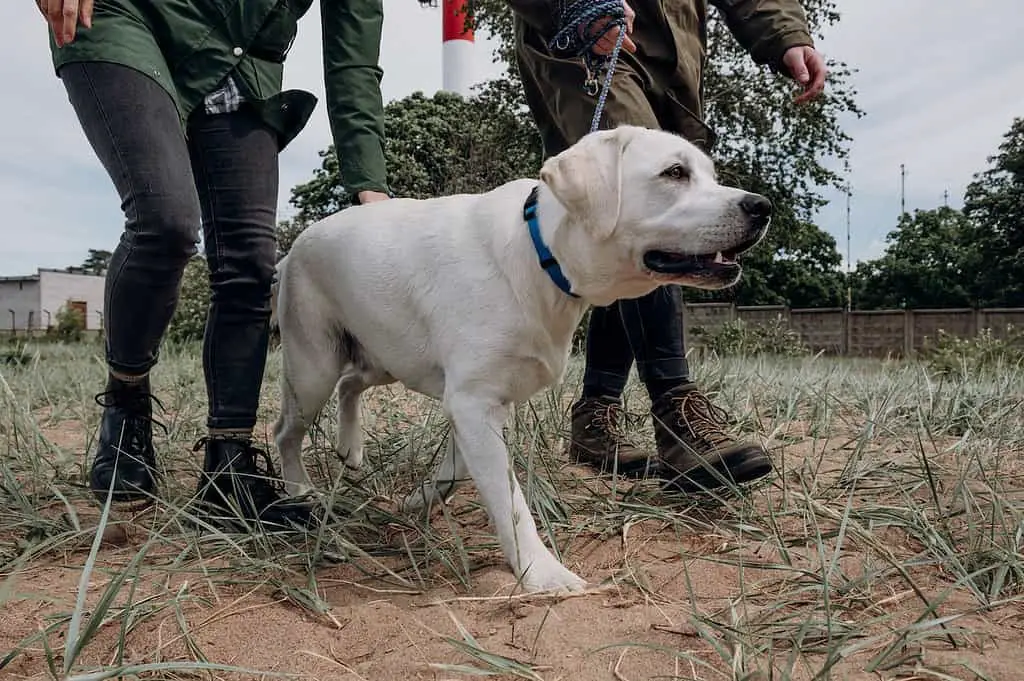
<point>287,231</point>
<point>928,263</point>
<point>189,320</point>
<point>767,144</point>
<point>439,145</point>
<point>96,262</point>
<point>995,205</point>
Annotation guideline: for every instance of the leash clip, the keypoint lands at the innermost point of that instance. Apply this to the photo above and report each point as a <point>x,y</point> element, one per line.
<point>591,84</point>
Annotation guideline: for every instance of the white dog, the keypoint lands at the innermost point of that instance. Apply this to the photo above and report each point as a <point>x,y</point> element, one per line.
<point>473,300</point>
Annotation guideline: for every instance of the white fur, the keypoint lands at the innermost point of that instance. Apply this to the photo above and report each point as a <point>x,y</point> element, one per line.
<point>446,296</point>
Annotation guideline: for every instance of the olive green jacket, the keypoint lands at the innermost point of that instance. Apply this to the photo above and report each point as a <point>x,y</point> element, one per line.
<point>660,85</point>
<point>190,46</point>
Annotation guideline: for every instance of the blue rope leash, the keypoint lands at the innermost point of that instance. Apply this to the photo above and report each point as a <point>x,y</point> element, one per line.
<point>576,20</point>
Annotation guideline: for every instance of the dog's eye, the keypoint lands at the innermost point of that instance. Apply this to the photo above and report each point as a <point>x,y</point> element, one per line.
<point>676,172</point>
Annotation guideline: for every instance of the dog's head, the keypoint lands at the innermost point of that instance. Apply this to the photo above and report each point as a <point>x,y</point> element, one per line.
<point>643,208</point>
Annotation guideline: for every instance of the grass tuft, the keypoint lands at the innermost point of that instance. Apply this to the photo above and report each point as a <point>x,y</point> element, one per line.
<point>887,545</point>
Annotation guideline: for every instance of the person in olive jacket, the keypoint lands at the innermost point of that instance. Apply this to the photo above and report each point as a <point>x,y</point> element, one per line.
<point>658,83</point>
<point>181,101</point>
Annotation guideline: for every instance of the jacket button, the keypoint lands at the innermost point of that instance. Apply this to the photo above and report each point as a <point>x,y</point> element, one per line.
<point>237,51</point>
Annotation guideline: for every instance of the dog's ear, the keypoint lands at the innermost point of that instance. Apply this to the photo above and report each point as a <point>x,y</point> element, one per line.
<point>586,178</point>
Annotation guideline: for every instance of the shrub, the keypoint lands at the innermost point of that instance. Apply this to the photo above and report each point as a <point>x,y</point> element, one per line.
<point>70,324</point>
<point>16,351</point>
<point>737,337</point>
<point>951,354</point>
<point>189,320</point>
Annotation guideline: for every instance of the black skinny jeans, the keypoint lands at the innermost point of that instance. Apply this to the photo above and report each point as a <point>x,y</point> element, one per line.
<point>224,177</point>
<point>649,329</point>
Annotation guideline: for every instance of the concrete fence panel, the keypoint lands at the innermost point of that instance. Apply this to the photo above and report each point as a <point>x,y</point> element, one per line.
<point>859,333</point>
<point>823,330</point>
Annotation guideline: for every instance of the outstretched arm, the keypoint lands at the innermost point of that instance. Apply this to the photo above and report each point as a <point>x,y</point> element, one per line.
<point>775,33</point>
<point>352,74</point>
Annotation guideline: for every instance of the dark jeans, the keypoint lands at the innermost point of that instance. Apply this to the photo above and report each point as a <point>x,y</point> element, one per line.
<point>649,329</point>
<point>224,176</point>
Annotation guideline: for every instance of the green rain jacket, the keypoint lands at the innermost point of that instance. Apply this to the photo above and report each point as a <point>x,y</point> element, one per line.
<point>671,39</point>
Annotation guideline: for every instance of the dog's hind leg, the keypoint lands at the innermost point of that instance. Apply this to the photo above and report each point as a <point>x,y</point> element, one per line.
<point>310,369</point>
<point>350,428</point>
<point>448,475</point>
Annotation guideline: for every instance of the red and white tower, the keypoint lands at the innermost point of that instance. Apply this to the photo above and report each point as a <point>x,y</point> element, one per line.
<point>457,48</point>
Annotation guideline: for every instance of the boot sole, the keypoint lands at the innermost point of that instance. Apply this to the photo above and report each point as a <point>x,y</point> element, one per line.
<point>741,467</point>
<point>123,502</point>
<point>638,468</point>
<point>140,498</point>
<point>209,506</point>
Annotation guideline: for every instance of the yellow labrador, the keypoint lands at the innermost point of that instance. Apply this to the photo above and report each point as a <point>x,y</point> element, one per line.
<point>473,299</point>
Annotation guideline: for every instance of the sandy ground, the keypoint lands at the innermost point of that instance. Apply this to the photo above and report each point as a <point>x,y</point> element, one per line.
<point>378,631</point>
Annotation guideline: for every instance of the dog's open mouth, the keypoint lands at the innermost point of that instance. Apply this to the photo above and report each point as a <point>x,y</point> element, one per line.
<point>681,264</point>
<point>723,263</point>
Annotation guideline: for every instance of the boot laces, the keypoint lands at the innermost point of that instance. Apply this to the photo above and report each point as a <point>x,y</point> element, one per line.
<point>705,420</point>
<point>249,467</point>
<point>138,416</point>
<point>608,418</point>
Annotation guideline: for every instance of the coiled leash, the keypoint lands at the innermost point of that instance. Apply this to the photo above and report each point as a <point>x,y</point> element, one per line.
<point>576,19</point>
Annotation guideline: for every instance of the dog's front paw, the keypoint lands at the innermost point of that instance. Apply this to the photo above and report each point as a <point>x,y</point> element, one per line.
<point>352,457</point>
<point>419,500</point>
<point>297,490</point>
<point>550,575</point>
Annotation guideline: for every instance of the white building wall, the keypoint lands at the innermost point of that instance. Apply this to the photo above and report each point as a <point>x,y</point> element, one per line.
<point>58,287</point>
<point>21,296</point>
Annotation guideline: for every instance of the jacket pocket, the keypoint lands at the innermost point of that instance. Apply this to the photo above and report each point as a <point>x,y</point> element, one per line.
<point>277,34</point>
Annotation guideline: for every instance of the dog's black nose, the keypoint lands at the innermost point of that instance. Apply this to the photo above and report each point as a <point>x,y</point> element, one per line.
<point>756,206</point>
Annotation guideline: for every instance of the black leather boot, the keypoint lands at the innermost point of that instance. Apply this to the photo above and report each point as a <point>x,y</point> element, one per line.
<point>125,462</point>
<point>233,486</point>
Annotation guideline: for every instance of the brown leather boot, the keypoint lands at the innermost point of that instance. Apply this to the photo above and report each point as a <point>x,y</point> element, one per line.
<point>696,452</point>
<point>599,440</point>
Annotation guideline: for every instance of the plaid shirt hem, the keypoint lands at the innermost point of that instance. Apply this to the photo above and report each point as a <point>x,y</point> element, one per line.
<point>225,99</point>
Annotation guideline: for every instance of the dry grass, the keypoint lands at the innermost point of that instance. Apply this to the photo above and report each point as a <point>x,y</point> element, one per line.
<point>887,546</point>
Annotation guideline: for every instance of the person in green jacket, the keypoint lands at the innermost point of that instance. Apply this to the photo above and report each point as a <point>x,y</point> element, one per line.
<point>658,83</point>
<point>181,101</point>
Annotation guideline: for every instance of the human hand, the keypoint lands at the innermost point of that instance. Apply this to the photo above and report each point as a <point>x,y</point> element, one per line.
<point>606,44</point>
<point>807,67</point>
<point>370,196</point>
<point>63,17</point>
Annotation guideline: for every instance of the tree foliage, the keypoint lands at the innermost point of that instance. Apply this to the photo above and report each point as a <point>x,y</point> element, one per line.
<point>97,261</point>
<point>925,264</point>
<point>435,146</point>
<point>944,258</point>
<point>995,206</point>
<point>189,320</point>
<point>70,323</point>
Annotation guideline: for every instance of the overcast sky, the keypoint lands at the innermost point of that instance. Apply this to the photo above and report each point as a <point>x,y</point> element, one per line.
<point>940,86</point>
